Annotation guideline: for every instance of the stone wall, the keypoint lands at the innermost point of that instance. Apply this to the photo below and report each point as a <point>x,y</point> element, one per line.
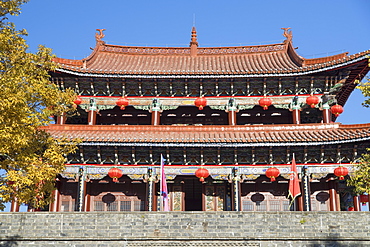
<point>185,229</point>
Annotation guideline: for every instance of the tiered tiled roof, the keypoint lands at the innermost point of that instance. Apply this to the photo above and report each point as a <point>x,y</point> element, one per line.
<point>262,60</point>
<point>273,135</point>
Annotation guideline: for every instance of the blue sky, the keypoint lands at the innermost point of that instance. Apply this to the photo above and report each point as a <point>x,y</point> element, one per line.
<point>320,28</point>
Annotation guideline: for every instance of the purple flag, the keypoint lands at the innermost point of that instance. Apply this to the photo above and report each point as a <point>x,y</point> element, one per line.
<point>164,191</point>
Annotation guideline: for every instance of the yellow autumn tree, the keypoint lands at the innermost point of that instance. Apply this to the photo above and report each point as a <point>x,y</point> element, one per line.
<point>30,158</point>
<point>365,89</point>
<point>360,179</point>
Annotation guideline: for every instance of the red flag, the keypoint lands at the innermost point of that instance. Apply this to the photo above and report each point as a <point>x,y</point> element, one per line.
<point>163,187</point>
<point>294,189</point>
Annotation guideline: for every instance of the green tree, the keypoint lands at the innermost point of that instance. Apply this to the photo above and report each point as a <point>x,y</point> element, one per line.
<point>365,89</point>
<point>360,179</point>
<point>30,158</point>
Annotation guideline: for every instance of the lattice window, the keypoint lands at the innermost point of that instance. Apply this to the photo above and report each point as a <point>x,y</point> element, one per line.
<point>117,202</point>
<point>270,203</point>
<point>115,88</point>
<point>224,88</point>
<point>85,87</point>
<point>113,206</point>
<point>240,88</point>
<point>227,155</point>
<point>163,88</point>
<point>100,88</point>
<point>147,88</point>
<point>132,88</point>
<point>209,89</point>
<point>67,203</point>
<point>99,206</point>
<point>178,88</point>
<point>70,83</point>
<point>90,154</point>
<point>248,206</point>
<point>125,155</point>
<point>193,87</point>
<point>125,206</point>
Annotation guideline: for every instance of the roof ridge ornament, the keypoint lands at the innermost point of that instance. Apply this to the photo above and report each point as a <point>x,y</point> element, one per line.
<point>287,34</point>
<point>193,42</point>
<point>99,36</point>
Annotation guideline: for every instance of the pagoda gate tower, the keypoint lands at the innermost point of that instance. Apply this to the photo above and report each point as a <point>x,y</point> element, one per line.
<point>235,112</point>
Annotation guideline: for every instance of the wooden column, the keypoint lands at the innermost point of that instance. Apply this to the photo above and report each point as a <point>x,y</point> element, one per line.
<point>232,109</point>
<point>300,203</point>
<point>333,200</point>
<point>306,190</point>
<point>155,197</point>
<point>333,196</point>
<point>92,117</point>
<point>296,110</point>
<point>236,193</point>
<point>14,206</point>
<point>87,204</point>
<point>326,113</point>
<point>92,112</point>
<point>156,117</point>
<point>155,109</point>
<point>356,203</point>
<point>150,189</point>
<point>54,205</point>
<point>296,113</point>
<point>62,119</point>
<point>81,193</point>
<point>232,117</point>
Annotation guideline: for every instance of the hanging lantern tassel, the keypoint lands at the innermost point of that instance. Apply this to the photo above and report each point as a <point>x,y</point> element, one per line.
<point>200,103</point>
<point>341,172</point>
<point>272,173</point>
<point>265,102</point>
<point>201,173</point>
<point>312,101</point>
<point>115,174</point>
<point>122,103</point>
<point>337,110</point>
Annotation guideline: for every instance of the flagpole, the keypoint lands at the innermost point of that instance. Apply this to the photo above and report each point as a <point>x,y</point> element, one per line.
<point>294,189</point>
<point>161,186</point>
<point>294,199</point>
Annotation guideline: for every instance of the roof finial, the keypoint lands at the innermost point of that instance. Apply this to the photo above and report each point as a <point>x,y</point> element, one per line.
<point>287,34</point>
<point>193,42</point>
<point>99,36</point>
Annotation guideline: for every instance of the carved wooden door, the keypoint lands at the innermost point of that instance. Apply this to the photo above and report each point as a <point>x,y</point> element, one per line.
<point>214,197</point>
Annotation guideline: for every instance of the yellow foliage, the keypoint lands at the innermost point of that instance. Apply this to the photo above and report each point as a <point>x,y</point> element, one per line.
<point>361,177</point>
<point>29,157</point>
<point>365,88</point>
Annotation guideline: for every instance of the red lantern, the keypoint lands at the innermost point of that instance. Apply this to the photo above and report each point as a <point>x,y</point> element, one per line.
<point>265,102</point>
<point>272,173</point>
<point>341,172</point>
<point>122,103</point>
<point>336,110</point>
<point>200,102</point>
<point>115,173</point>
<point>364,199</point>
<point>312,101</point>
<point>202,173</point>
<point>77,101</point>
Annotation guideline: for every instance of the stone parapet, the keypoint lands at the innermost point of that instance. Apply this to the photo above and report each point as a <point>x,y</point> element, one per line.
<point>185,229</point>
